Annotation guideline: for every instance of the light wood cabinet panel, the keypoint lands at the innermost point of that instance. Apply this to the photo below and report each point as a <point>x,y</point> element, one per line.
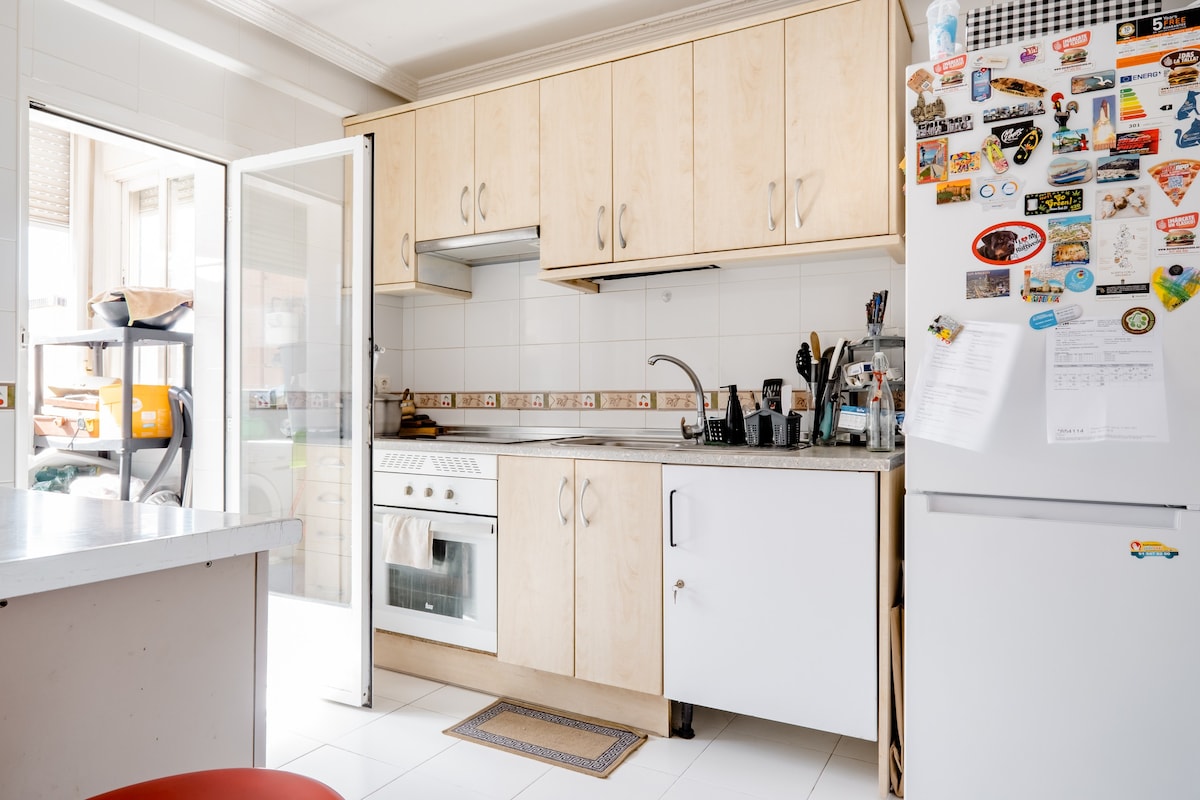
<point>394,197</point>
<point>618,569</point>
<point>739,131</point>
<point>652,154</point>
<point>445,171</point>
<point>576,168</point>
<point>838,155</point>
<point>506,158</point>
<point>535,620</point>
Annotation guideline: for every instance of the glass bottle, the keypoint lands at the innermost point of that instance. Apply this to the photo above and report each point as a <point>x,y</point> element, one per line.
<point>881,409</point>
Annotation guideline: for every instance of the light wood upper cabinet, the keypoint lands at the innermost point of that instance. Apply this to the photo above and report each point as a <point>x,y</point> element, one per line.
<point>506,158</point>
<point>838,156</point>
<point>580,569</point>
<point>652,154</point>
<point>445,169</point>
<point>395,207</point>
<point>576,168</point>
<point>739,134</point>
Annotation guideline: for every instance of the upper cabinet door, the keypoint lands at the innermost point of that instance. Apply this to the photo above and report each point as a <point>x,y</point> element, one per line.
<point>395,204</point>
<point>506,158</point>
<point>652,154</point>
<point>839,162</point>
<point>739,138</point>
<point>576,168</point>
<point>445,169</point>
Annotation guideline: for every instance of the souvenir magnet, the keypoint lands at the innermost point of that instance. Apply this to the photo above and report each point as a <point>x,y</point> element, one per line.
<point>1179,230</point>
<point>1143,143</point>
<point>990,61</point>
<point>1065,171</point>
<point>1030,108</point>
<point>995,154</point>
<point>1175,285</point>
<point>986,283</point>
<point>1062,114</point>
<point>1174,177</point>
<point>927,112</point>
<point>965,162</point>
<point>1138,320</point>
<point>1055,316</point>
<point>981,87</point>
<point>1110,169</point>
<point>1053,202</point>
<point>1096,82</point>
<point>1008,243</point>
<point>1028,144</point>
<point>1018,86</point>
<point>1010,135</point>
<point>945,127</point>
<point>1190,138</point>
<point>954,191</point>
<point>921,80</point>
<point>1080,279</point>
<point>945,328</point>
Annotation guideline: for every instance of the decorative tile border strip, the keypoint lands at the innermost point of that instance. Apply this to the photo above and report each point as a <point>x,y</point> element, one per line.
<point>631,400</point>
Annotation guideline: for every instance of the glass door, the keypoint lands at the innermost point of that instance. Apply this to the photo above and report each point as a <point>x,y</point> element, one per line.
<point>300,397</point>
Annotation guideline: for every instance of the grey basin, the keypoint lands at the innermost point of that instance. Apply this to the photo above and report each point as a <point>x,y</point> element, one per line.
<point>632,443</point>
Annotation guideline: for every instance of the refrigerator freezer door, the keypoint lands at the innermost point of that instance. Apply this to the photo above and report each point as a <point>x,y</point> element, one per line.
<point>1043,659</point>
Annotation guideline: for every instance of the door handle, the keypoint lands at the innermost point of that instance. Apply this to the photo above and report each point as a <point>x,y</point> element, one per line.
<point>462,204</point>
<point>562,484</point>
<point>671,518</point>
<point>583,520</point>
<point>404,250</point>
<point>479,202</point>
<point>770,202</point>
<point>599,236</point>
<point>621,226</point>
<point>796,203</point>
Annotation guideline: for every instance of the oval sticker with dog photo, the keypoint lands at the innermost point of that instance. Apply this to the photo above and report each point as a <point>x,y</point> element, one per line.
<point>1009,243</point>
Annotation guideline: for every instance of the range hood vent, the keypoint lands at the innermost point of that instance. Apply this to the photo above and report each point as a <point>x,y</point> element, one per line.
<point>485,248</point>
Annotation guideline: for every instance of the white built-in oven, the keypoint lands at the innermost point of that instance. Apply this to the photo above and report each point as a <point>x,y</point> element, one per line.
<point>453,601</point>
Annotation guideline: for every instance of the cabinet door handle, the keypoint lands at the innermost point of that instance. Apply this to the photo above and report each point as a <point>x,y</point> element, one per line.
<point>621,226</point>
<point>479,202</point>
<point>404,250</point>
<point>671,518</point>
<point>562,484</point>
<point>770,202</point>
<point>796,204</point>
<point>462,204</point>
<point>599,236</point>
<point>583,520</point>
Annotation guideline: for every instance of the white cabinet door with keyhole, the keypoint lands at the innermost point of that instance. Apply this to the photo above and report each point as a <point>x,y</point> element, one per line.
<point>769,604</point>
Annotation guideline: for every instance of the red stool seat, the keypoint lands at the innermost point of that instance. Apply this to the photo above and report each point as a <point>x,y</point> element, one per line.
<point>226,784</point>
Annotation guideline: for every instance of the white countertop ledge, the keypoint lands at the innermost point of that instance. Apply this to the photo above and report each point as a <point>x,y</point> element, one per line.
<point>52,541</point>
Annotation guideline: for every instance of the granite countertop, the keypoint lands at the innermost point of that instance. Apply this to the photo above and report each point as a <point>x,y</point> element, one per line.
<point>51,541</point>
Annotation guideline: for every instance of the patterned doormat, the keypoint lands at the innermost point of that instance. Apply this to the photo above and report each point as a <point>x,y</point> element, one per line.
<point>585,745</point>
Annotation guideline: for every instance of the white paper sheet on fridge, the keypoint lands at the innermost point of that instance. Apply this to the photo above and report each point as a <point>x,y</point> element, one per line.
<point>1103,384</point>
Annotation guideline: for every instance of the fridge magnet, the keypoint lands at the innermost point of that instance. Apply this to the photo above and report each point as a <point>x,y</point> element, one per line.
<point>989,60</point>
<point>1031,54</point>
<point>1138,320</point>
<point>925,111</point>
<point>996,193</point>
<point>995,154</point>
<point>950,71</point>
<point>1062,113</point>
<point>1143,549</point>
<point>1104,136</point>
<point>1069,240</point>
<point>981,86</point>
<point>986,283</point>
<point>1142,143</point>
<point>1069,254</point>
<point>1187,109</point>
<point>965,162</point>
<point>1053,202</point>
<point>1179,231</point>
<point>1093,82</point>
<point>1175,177</point>
<point>1030,108</point>
<point>1017,86</point>
<point>1110,169</point>
<point>945,328</point>
<point>1121,258</point>
<point>1064,171</point>
<point>1055,316</point>
<point>1080,279</point>
<point>954,192</point>
<point>1175,285</point>
<point>1132,201</point>
<point>1069,141</point>
<point>921,80</point>
<point>951,80</point>
<point>1072,51</point>
<point>1044,283</point>
<point>1011,135</point>
<point>944,127</point>
<point>1009,243</point>
<point>931,161</point>
<point>1190,137</point>
<point>1027,145</point>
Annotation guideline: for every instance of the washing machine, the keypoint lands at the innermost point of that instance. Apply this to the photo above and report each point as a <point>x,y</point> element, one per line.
<point>267,489</point>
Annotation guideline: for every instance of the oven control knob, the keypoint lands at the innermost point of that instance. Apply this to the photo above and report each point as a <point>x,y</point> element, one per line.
<point>408,489</point>
<point>429,491</point>
<point>449,494</point>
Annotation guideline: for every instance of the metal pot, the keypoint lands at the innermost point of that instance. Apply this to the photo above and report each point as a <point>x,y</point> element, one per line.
<point>386,415</point>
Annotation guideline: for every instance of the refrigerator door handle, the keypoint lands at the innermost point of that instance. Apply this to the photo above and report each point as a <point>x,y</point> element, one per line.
<point>1115,514</point>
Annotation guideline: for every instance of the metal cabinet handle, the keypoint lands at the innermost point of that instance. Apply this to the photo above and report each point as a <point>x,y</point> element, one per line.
<point>479,202</point>
<point>462,204</point>
<point>796,204</point>
<point>404,251</point>
<point>562,484</point>
<point>620,225</point>
<point>583,520</point>
<point>599,236</point>
<point>671,518</point>
<point>770,202</point>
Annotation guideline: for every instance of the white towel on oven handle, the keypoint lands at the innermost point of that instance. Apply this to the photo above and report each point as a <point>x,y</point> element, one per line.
<point>407,541</point>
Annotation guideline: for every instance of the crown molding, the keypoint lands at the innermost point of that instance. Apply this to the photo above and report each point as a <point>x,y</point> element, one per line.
<point>291,28</point>
<point>599,44</point>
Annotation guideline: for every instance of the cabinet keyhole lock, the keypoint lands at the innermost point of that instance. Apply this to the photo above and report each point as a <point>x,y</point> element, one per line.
<point>675,592</point>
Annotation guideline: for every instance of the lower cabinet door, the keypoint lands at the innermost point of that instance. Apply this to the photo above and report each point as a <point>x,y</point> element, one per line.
<point>769,596</point>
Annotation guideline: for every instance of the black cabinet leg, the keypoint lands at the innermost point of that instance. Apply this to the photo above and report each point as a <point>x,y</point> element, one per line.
<point>685,731</point>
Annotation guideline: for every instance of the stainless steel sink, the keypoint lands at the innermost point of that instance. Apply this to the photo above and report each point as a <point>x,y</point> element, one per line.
<point>632,443</point>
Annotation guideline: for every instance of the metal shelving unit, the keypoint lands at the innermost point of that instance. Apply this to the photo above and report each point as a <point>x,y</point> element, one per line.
<point>99,340</point>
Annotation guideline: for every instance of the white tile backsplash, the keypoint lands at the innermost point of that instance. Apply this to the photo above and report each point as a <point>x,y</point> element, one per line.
<point>748,360</point>
<point>612,365</point>
<point>492,324</point>
<point>550,367</point>
<point>683,311</point>
<point>550,320</point>
<point>701,354</point>
<point>440,370</point>
<point>439,327</point>
<point>760,307</point>
<point>492,369</point>
<point>612,316</point>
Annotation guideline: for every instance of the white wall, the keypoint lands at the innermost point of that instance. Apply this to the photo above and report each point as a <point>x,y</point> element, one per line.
<point>180,72</point>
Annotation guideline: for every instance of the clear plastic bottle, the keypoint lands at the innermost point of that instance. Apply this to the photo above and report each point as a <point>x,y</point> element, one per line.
<point>881,409</point>
<point>942,19</point>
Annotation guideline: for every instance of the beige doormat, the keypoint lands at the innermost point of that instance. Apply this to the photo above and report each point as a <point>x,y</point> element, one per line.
<point>584,745</point>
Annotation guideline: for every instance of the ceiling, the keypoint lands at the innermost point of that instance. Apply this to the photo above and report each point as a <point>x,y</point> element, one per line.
<point>420,49</point>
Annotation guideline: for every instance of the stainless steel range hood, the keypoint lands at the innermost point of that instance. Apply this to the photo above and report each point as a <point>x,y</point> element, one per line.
<point>485,248</point>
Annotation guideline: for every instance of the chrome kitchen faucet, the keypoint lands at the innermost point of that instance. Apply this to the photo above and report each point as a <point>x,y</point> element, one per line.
<point>700,432</point>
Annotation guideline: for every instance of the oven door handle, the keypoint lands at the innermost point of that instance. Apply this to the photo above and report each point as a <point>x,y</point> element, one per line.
<point>562,518</point>
<point>453,527</point>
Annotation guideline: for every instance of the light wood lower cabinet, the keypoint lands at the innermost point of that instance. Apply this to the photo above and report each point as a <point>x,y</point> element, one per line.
<point>580,569</point>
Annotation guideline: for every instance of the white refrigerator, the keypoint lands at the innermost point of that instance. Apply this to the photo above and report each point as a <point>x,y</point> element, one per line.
<point>1052,528</point>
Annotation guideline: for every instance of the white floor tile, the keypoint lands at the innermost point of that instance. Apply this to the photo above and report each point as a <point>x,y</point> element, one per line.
<point>847,779</point>
<point>686,789</point>
<point>788,734</point>
<point>400,687</point>
<point>759,767</point>
<point>405,738</point>
<point>323,720</point>
<point>484,770</point>
<point>413,786</point>
<point>675,755</point>
<point>454,702</point>
<point>861,749</point>
<point>284,746</point>
<point>627,782</point>
<point>352,776</point>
